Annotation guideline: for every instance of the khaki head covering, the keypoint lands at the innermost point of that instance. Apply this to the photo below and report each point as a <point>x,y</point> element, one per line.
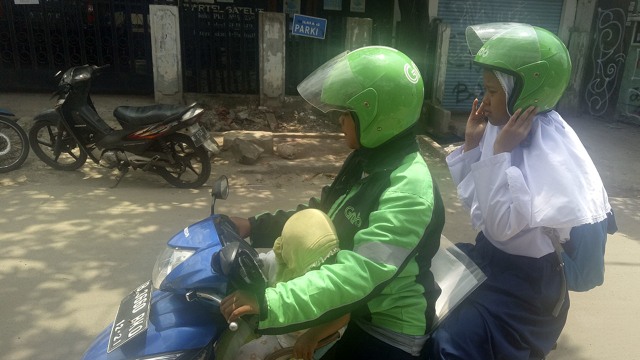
<point>308,239</point>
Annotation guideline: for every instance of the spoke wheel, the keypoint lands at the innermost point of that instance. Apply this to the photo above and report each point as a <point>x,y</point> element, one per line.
<point>55,146</point>
<point>191,167</point>
<point>14,145</point>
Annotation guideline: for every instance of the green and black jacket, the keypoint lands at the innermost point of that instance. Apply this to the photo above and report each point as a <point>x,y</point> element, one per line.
<point>389,216</point>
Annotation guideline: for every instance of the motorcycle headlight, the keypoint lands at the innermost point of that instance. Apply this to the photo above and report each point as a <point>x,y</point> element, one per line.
<point>167,261</point>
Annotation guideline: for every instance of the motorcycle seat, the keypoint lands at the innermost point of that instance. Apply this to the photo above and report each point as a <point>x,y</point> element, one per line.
<point>134,116</point>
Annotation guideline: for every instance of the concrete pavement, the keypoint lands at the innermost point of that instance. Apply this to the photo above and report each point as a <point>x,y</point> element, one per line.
<point>603,323</point>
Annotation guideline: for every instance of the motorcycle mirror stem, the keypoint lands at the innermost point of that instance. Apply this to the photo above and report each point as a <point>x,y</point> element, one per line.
<point>219,190</point>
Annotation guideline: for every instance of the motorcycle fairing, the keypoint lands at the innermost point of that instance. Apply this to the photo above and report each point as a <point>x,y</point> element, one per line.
<point>198,235</point>
<point>175,325</point>
<point>196,272</point>
<point>120,137</point>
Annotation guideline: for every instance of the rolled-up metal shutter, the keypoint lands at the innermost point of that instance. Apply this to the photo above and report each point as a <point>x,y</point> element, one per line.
<point>463,81</point>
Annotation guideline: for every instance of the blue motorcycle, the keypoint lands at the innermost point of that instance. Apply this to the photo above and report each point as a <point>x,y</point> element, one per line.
<point>175,315</point>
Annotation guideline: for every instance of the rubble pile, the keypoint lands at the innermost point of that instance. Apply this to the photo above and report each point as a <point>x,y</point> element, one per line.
<point>222,118</point>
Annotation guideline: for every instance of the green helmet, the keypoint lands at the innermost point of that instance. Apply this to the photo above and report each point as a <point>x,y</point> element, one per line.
<point>535,57</point>
<point>381,85</point>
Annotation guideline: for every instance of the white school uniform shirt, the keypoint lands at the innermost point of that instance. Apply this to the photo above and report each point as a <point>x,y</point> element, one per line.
<point>550,182</point>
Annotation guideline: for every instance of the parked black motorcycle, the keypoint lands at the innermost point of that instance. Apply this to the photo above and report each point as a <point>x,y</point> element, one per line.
<point>168,140</point>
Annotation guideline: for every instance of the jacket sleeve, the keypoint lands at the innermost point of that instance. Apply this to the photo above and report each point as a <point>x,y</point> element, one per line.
<point>266,227</point>
<point>381,252</point>
<point>321,295</point>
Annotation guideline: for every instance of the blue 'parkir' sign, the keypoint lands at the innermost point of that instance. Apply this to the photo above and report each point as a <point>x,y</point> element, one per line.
<point>309,26</point>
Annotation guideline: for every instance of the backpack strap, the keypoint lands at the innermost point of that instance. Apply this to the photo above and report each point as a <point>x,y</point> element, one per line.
<point>555,240</point>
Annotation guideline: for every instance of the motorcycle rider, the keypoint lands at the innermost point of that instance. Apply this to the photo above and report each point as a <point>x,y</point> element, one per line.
<point>386,209</point>
<point>524,175</point>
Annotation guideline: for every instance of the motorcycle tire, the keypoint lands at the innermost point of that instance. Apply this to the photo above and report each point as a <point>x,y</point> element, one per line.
<point>55,146</point>
<point>14,145</point>
<point>192,165</point>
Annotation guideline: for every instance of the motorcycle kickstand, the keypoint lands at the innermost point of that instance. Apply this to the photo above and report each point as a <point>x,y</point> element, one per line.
<point>123,172</point>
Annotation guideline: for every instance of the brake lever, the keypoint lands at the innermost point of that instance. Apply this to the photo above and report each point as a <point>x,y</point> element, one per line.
<point>217,299</point>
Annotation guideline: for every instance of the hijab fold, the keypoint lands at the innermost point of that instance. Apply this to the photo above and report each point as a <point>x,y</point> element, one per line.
<point>566,189</point>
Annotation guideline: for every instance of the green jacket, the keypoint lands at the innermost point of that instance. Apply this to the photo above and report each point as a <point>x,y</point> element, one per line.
<point>389,223</point>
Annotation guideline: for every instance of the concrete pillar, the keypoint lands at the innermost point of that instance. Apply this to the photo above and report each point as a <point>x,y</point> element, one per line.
<point>579,44</point>
<point>164,21</point>
<point>272,37</point>
<point>567,20</point>
<point>358,33</point>
<point>438,119</point>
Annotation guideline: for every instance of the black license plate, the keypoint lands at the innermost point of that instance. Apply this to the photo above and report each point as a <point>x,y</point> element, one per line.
<point>132,318</point>
<point>199,136</point>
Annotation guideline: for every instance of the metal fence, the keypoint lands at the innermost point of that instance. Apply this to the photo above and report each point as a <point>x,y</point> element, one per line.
<point>220,46</point>
<point>219,42</point>
<point>40,37</point>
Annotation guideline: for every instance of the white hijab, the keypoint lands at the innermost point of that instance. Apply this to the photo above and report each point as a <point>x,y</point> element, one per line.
<point>566,187</point>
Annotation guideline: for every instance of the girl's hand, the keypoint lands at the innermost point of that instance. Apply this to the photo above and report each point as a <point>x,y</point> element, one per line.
<point>515,130</point>
<point>305,346</point>
<point>476,125</point>
<point>237,304</point>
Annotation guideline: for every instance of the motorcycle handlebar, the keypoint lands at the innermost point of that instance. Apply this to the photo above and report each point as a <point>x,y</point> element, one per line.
<point>99,69</point>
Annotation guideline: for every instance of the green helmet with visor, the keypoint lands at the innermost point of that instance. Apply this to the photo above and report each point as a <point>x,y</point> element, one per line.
<point>381,85</point>
<point>536,58</point>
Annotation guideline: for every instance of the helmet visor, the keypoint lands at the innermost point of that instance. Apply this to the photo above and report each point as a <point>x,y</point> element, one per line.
<point>331,85</point>
<point>478,35</point>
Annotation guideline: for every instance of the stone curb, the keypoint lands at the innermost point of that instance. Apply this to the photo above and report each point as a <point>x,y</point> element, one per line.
<point>289,168</point>
<point>287,134</point>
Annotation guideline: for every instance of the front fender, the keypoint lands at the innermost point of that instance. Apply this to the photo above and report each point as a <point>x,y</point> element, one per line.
<point>175,325</point>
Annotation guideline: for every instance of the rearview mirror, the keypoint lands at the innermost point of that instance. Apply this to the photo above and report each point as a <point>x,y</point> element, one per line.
<point>220,188</point>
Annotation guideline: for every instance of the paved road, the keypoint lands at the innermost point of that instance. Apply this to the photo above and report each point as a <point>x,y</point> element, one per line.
<point>73,246</point>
